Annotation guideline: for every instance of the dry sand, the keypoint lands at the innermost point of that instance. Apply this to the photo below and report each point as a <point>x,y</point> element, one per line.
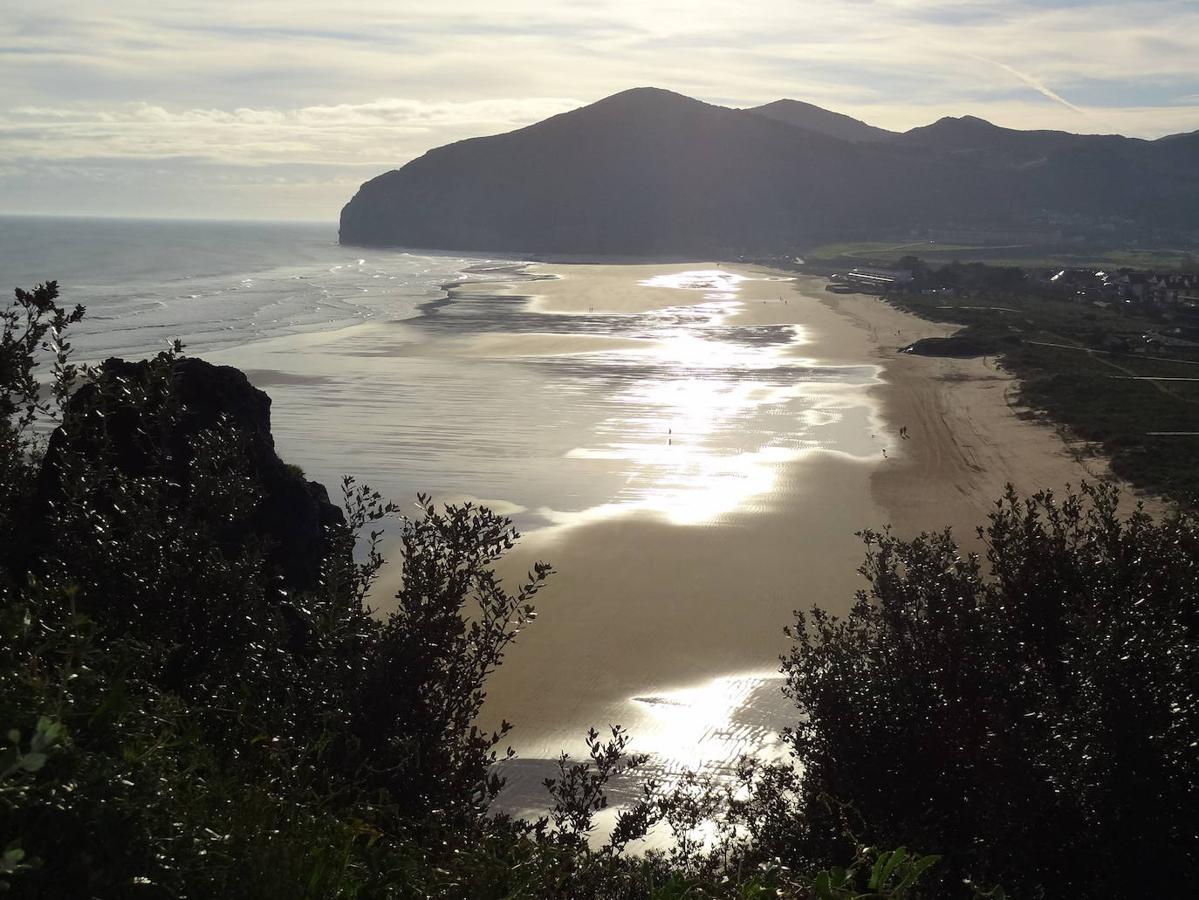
<point>969,437</point>
<point>642,607</point>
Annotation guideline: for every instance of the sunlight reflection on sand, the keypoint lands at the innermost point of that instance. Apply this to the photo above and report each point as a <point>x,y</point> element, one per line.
<point>702,418</point>
<point>602,406</point>
<point>705,729</point>
<point>709,725</point>
<point>676,430</point>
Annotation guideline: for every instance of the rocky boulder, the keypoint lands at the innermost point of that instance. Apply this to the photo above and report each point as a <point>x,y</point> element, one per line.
<point>154,425</point>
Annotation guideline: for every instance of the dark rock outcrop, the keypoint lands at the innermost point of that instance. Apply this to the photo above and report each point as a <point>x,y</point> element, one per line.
<point>293,515</point>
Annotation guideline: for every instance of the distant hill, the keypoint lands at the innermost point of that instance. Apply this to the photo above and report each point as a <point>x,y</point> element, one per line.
<point>970,135</point>
<point>651,172</point>
<point>813,118</point>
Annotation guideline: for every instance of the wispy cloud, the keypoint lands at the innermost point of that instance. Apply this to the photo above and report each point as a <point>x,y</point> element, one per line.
<point>1037,86</point>
<point>378,132</point>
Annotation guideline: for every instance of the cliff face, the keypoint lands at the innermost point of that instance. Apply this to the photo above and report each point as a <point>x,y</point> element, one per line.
<point>651,172</point>
<point>292,516</point>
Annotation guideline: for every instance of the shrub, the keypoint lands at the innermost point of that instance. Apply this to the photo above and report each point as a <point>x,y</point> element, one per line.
<point>1034,723</point>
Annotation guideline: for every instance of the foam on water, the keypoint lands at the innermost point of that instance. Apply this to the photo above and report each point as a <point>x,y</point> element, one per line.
<point>212,284</point>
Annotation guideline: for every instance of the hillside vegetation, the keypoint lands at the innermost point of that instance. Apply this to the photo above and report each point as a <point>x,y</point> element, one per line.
<point>1106,372</point>
<point>648,172</point>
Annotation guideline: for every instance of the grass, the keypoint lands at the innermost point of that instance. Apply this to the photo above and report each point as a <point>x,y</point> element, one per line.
<point>1088,390</point>
<point>1028,256</point>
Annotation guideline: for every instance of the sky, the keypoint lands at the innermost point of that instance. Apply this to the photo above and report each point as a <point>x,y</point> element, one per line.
<point>279,109</point>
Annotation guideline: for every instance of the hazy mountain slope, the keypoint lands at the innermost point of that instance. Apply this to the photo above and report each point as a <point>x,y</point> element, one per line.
<point>649,172</point>
<point>992,144</point>
<point>644,171</point>
<point>823,121</point>
<point>1082,175</point>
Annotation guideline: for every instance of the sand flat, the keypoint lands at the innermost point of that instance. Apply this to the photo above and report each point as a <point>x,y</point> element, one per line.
<point>969,435</point>
<point>645,608</point>
<point>579,289</point>
<point>693,446</point>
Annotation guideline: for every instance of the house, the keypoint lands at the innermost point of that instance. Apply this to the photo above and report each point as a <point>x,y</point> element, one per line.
<point>878,281</point>
<point>1160,288</point>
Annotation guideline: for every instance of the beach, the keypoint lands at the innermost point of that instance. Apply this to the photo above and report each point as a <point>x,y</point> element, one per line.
<point>692,446</point>
<point>970,438</point>
<point>673,629</point>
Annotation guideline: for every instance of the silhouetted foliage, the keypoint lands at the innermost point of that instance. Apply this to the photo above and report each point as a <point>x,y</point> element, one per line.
<point>1033,719</point>
<point>223,721</point>
<point>32,327</point>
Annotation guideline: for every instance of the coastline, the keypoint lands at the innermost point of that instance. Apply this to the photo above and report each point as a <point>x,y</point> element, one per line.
<point>667,611</point>
<point>969,436</point>
<point>674,631</point>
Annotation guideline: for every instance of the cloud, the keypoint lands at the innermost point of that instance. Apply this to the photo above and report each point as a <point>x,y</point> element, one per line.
<point>380,132</point>
<point>369,84</point>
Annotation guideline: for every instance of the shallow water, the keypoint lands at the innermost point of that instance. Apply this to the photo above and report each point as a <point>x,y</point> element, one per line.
<point>687,415</point>
<point>557,417</point>
<point>211,284</point>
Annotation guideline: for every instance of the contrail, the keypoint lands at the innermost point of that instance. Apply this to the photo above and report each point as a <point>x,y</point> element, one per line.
<point>1042,89</point>
<point>1037,86</point>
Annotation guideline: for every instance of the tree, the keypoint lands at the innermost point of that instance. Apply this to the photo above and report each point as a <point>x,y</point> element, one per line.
<point>1034,719</point>
<point>32,328</point>
<point>229,725</point>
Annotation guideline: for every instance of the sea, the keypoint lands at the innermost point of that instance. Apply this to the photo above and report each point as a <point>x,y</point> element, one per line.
<point>212,284</point>
<point>378,366</point>
<point>254,294</point>
<point>439,374</point>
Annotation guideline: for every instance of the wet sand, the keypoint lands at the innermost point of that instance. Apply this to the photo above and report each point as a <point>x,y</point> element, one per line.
<point>692,446</point>
<point>675,630</point>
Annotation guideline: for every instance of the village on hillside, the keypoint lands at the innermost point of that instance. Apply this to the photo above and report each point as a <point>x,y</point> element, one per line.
<point>1169,301</point>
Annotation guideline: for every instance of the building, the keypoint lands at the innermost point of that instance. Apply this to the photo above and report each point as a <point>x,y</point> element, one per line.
<point>876,281</point>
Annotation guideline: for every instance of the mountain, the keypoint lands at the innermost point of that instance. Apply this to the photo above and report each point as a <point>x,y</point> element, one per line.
<point>651,172</point>
<point>813,118</point>
<point>1104,179</point>
<point>645,171</point>
<point>970,135</point>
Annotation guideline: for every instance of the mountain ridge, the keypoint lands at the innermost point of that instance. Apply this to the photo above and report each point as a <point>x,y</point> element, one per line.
<point>649,171</point>
<point>814,118</point>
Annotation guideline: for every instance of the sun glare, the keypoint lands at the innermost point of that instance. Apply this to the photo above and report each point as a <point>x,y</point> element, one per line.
<point>709,726</point>
<point>713,410</point>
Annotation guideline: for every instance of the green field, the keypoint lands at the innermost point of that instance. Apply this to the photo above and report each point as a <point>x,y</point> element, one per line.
<point>1025,256</point>
<point>1097,395</point>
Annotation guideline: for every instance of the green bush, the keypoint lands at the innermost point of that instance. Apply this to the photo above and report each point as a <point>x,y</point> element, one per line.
<point>1035,723</point>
